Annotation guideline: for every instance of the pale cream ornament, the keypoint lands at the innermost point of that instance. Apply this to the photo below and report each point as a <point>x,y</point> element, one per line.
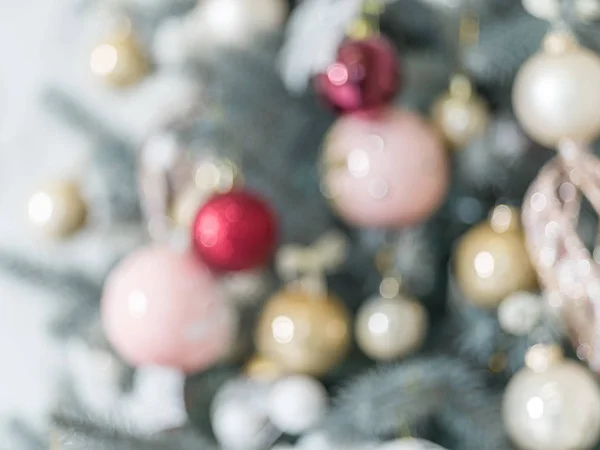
<point>556,94</point>
<point>552,404</point>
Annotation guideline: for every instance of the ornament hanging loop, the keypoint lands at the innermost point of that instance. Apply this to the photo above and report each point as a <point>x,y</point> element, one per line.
<point>306,267</point>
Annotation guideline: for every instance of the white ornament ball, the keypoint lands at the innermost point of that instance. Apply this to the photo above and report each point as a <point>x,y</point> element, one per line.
<point>297,403</point>
<point>555,409</point>
<point>519,313</point>
<point>409,444</point>
<point>387,329</point>
<point>556,94</point>
<point>236,22</point>
<point>551,9</point>
<point>238,418</point>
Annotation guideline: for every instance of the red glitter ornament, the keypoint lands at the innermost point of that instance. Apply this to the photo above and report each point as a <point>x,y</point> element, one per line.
<point>235,231</point>
<point>365,76</point>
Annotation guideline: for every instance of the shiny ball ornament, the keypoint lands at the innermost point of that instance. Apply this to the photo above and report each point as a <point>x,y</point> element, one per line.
<point>491,260</point>
<point>555,408</point>
<point>409,444</point>
<point>119,61</point>
<point>520,313</point>
<point>238,418</point>
<point>297,403</point>
<point>551,9</point>
<point>460,114</point>
<point>57,209</point>
<point>387,171</point>
<point>235,231</point>
<point>304,333</point>
<point>390,328</point>
<point>161,307</point>
<point>236,23</point>
<point>364,77</point>
<point>555,95</point>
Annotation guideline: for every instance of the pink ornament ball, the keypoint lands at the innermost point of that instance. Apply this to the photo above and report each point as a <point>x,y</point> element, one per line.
<point>385,171</point>
<point>365,76</point>
<point>161,307</point>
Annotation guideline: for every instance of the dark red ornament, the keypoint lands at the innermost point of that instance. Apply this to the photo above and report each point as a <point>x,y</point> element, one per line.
<point>365,76</point>
<point>235,231</point>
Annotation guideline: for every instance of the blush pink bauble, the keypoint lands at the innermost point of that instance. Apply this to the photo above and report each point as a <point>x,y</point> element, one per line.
<point>162,307</point>
<point>386,171</point>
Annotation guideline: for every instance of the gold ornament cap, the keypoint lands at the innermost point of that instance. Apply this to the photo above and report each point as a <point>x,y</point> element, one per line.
<point>541,357</point>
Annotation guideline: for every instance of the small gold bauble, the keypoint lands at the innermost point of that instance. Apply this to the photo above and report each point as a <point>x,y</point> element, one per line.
<point>304,333</point>
<point>57,209</point>
<point>460,114</point>
<point>261,368</point>
<point>119,61</point>
<point>491,260</point>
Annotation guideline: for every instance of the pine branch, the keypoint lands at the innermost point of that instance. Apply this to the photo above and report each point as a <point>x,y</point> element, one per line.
<point>391,400</point>
<point>111,180</point>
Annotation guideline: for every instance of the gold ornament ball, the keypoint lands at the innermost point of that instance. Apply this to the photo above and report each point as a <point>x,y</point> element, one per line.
<point>119,61</point>
<point>57,209</point>
<point>304,333</point>
<point>390,328</point>
<point>460,114</point>
<point>491,261</point>
<point>556,94</point>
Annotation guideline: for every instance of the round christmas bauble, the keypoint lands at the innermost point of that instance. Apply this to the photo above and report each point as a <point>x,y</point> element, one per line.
<point>390,328</point>
<point>491,260</point>
<point>460,116</point>
<point>161,307</point>
<point>235,231</point>
<point>553,409</point>
<point>304,333</point>
<point>555,95</point>
<point>236,22</point>
<point>409,444</point>
<point>239,419</point>
<point>520,312</point>
<point>57,209</point>
<point>119,61</point>
<point>364,77</point>
<point>297,403</point>
<point>551,9</point>
<point>391,170</point>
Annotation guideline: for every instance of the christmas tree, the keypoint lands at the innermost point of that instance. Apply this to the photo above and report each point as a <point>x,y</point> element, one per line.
<point>310,225</point>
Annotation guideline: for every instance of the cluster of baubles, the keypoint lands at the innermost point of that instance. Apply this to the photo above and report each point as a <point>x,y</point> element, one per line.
<point>382,166</point>
<point>162,306</point>
<point>248,414</point>
<point>553,403</point>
